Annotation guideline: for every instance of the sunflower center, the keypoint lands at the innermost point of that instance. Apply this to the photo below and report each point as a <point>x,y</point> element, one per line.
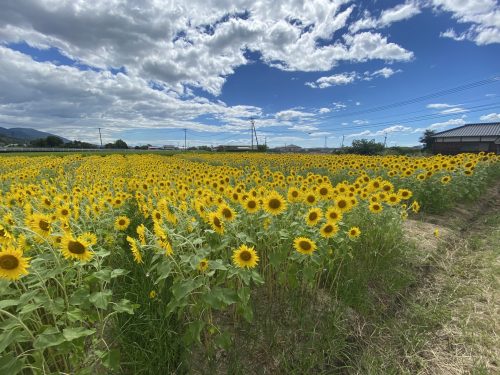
<point>342,203</point>
<point>217,222</point>
<point>295,194</point>
<point>76,247</point>
<point>353,232</point>
<point>44,225</point>
<point>245,255</point>
<point>157,215</point>
<point>323,191</point>
<point>328,229</point>
<point>64,212</point>
<point>252,204</point>
<point>121,222</point>
<point>227,213</point>
<point>333,215</point>
<point>275,203</point>
<point>313,216</point>
<point>2,232</point>
<point>305,245</point>
<point>311,198</point>
<point>8,262</point>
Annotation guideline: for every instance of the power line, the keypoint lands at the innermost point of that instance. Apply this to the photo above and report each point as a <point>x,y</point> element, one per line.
<point>437,94</point>
<point>416,118</point>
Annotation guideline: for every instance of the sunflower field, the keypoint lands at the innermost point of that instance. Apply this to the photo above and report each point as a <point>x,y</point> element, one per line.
<point>205,263</point>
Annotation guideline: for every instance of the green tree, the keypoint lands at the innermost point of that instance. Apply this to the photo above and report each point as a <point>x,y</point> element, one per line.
<point>366,147</point>
<point>119,144</point>
<point>427,139</point>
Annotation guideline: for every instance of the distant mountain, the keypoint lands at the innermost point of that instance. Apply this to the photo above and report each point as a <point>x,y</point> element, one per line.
<point>22,135</point>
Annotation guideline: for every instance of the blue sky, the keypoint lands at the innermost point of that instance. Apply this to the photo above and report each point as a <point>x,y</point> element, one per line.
<point>307,72</point>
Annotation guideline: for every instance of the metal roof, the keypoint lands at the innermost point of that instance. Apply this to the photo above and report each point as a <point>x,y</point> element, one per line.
<point>491,129</point>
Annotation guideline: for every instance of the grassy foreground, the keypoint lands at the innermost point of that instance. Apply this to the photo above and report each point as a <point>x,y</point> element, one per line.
<point>448,322</point>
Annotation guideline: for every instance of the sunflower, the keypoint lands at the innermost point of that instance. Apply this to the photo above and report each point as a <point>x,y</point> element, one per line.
<point>122,223</point>
<point>156,216</point>
<point>245,256</point>
<point>293,195</point>
<point>375,207</point>
<point>226,212</point>
<point>445,180</point>
<point>215,222</point>
<point>40,224</point>
<point>405,194</point>
<point>203,265</point>
<point>354,232</point>
<point>313,216</point>
<point>141,232</point>
<point>63,213</point>
<point>393,199</point>
<point>12,264</point>
<point>304,245</point>
<point>274,203</point>
<point>329,230</point>
<point>152,294</point>
<point>333,214</point>
<point>135,250</point>
<point>72,248</point>
<point>4,235</point>
<point>251,205</point>
<point>343,203</point>
<point>415,206</point>
<point>310,198</point>
<point>90,238</point>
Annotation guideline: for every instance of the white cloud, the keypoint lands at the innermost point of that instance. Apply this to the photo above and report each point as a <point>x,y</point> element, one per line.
<point>383,132</point>
<point>360,122</point>
<point>303,128</point>
<point>482,17</point>
<point>324,110</point>
<point>441,125</point>
<point>192,42</point>
<point>441,105</point>
<point>492,117</point>
<point>292,114</point>
<point>387,17</point>
<point>333,80</point>
<point>350,77</point>
<point>453,110</point>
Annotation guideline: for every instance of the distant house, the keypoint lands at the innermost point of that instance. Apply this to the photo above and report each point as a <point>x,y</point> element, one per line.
<point>227,148</point>
<point>289,148</point>
<point>169,147</point>
<point>468,138</point>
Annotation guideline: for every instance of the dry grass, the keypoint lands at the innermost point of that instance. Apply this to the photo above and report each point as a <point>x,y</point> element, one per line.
<point>448,323</point>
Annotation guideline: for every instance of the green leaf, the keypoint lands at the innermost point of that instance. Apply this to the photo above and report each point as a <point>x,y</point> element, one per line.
<point>79,297</point>
<point>6,338</point>
<point>219,298</point>
<point>10,365</point>
<point>104,275</point>
<point>183,288</point>
<point>71,334</point>
<point>118,272</point>
<point>50,337</point>
<point>8,303</point>
<point>124,306</point>
<point>101,299</point>
<point>217,265</point>
<point>223,341</point>
<point>193,332</point>
<point>29,308</point>
<point>111,359</point>
<point>247,312</point>
<point>74,314</point>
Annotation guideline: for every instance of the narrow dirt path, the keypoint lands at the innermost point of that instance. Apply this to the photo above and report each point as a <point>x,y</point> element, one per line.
<point>449,321</point>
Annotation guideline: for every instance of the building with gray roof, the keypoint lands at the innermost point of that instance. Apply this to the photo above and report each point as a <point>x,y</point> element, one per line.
<point>468,138</point>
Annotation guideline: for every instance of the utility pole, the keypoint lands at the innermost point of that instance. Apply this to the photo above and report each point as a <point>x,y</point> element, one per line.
<point>342,141</point>
<point>100,136</point>
<point>185,137</point>
<point>325,141</point>
<point>385,139</point>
